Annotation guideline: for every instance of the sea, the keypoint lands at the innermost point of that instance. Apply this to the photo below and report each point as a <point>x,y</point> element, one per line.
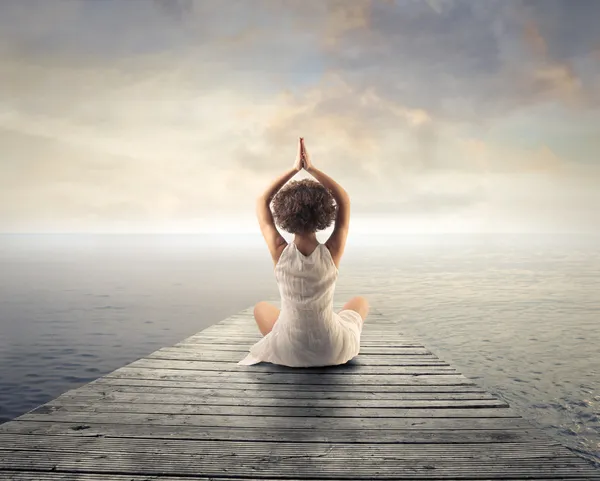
<point>519,314</point>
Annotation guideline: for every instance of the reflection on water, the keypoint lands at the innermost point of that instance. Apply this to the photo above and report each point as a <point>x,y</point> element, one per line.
<point>519,315</point>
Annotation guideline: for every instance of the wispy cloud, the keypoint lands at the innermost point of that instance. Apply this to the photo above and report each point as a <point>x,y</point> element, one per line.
<point>137,114</point>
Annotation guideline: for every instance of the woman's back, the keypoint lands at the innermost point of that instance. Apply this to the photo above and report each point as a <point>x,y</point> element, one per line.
<point>306,283</point>
<point>308,332</point>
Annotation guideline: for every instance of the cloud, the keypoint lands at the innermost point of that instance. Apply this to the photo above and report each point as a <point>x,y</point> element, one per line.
<point>175,109</point>
<point>431,204</point>
<point>490,157</point>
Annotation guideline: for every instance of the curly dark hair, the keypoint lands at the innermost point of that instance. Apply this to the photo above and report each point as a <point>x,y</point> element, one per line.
<point>303,207</point>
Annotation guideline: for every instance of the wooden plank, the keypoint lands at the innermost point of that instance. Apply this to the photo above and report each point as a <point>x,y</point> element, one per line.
<point>25,475</point>
<point>204,392</point>
<point>308,387</point>
<point>232,433</point>
<point>289,421</point>
<point>191,348</point>
<point>39,476</point>
<point>277,410</point>
<point>216,433</point>
<point>21,442</point>
<point>186,399</point>
<point>300,377</point>
<point>244,346</point>
<point>322,466</point>
<point>174,364</point>
<point>415,353</point>
<point>250,338</point>
<point>233,356</point>
<point>248,341</point>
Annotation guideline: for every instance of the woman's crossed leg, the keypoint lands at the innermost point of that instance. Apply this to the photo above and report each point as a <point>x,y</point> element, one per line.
<point>266,314</point>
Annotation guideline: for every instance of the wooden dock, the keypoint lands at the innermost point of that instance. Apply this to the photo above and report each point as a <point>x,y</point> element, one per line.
<point>189,412</point>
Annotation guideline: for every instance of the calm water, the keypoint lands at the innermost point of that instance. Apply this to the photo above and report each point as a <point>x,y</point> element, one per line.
<point>518,314</point>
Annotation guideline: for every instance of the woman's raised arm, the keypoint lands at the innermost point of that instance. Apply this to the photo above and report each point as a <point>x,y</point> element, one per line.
<point>337,241</point>
<point>339,194</point>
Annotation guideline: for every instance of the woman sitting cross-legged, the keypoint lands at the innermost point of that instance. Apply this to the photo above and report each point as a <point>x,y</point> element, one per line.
<point>306,332</point>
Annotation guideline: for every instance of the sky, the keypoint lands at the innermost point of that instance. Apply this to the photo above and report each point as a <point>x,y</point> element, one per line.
<point>172,116</point>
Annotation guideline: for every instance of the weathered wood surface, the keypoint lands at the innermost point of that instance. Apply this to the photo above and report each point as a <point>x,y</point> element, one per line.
<point>189,412</point>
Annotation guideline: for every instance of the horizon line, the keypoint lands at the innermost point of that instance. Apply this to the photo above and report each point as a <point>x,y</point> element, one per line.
<point>258,234</point>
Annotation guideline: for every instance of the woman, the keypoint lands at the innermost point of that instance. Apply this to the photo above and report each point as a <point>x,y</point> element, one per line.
<point>306,332</point>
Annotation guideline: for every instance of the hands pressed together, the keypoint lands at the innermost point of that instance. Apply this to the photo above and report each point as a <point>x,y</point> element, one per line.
<point>302,158</point>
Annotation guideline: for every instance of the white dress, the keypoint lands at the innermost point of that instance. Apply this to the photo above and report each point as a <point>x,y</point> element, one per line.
<point>308,333</point>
